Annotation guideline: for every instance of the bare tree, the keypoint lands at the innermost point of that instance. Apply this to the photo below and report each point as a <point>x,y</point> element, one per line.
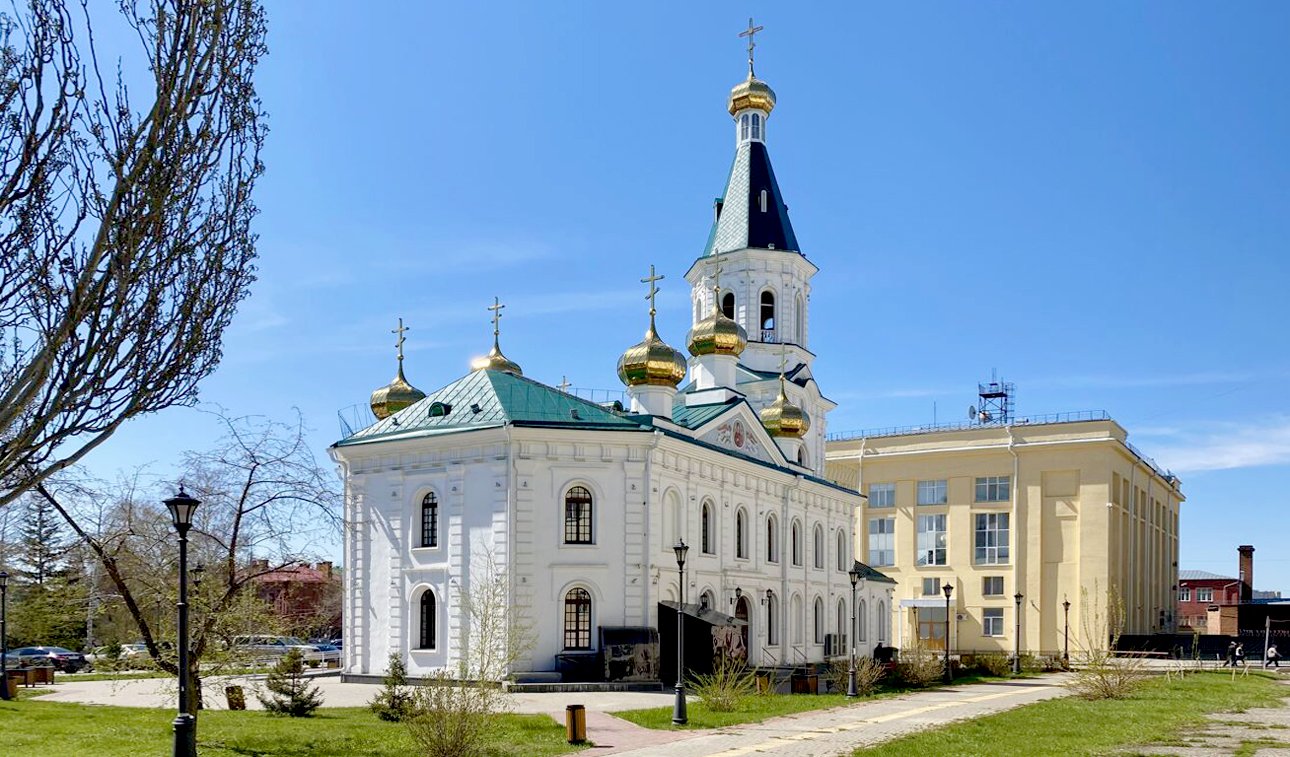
<point>125,241</point>
<point>262,495</point>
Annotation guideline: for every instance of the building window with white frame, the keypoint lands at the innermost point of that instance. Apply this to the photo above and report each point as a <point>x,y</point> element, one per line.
<point>882,542</point>
<point>741,534</point>
<point>991,539</point>
<point>992,586</point>
<point>1184,594</point>
<point>882,495</point>
<point>577,515</point>
<point>819,620</point>
<point>426,631</point>
<point>882,621</point>
<point>795,547</point>
<point>577,619</point>
<point>430,520</point>
<point>931,540</point>
<point>818,544</point>
<point>992,621</point>
<point>844,554</point>
<point>862,620</point>
<point>772,547</point>
<point>1204,595</point>
<point>933,492</point>
<point>931,587</point>
<point>707,524</point>
<point>993,488</point>
<point>772,626</point>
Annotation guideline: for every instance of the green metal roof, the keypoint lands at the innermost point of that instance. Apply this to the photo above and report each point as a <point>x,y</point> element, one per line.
<point>869,574</point>
<point>694,417</point>
<point>492,398</point>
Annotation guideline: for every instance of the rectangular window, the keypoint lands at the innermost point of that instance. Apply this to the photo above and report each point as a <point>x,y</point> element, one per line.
<point>932,492</point>
<point>1204,595</point>
<point>1184,595</point>
<point>991,539</point>
<point>931,540</point>
<point>931,587</point>
<point>992,586</point>
<point>882,542</point>
<point>993,488</point>
<point>992,621</point>
<point>882,495</point>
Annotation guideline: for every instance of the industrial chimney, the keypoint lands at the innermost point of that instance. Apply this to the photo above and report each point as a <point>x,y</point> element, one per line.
<point>1247,571</point>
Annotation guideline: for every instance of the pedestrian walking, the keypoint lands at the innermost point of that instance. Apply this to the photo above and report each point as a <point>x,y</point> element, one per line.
<point>1230,662</point>
<point>1240,655</point>
<point>1274,657</point>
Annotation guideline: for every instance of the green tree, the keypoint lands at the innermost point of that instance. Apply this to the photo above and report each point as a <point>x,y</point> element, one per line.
<point>44,542</point>
<point>289,692</point>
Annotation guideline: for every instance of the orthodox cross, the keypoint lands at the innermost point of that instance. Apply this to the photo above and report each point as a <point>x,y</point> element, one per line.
<point>716,286</point>
<point>750,32</point>
<point>653,290</point>
<point>564,384</point>
<point>399,344</point>
<point>496,307</point>
<point>783,357</point>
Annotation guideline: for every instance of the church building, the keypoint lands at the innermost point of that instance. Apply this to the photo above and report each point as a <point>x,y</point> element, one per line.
<point>578,508</point>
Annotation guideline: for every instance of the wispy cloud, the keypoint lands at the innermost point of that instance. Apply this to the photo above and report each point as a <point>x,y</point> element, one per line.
<point>1228,445</point>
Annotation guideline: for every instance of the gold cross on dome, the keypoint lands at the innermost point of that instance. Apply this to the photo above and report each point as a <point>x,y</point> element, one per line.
<point>653,290</point>
<point>783,357</point>
<point>564,384</point>
<point>496,307</point>
<point>399,344</point>
<point>750,32</point>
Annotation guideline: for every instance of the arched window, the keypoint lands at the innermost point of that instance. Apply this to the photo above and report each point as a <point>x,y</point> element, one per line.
<point>842,618</point>
<point>761,200</point>
<point>767,311</point>
<point>795,542</point>
<point>843,552</point>
<point>819,620</point>
<point>818,544</point>
<point>708,543</point>
<point>756,126</point>
<point>426,635</point>
<point>671,531</point>
<point>798,619</point>
<point>772,549</point>
<point>706,600</point>
<point>882,621</point>
<point>772,625</point>
<point>728,305</point>
<point>801,457</point>
<point>741,534</point>
<point>743,127</point>
<point>577,619</point>
<point>577,515</point>
<point>429,520</point>
<point>862,620</point>
<point>800,319</point>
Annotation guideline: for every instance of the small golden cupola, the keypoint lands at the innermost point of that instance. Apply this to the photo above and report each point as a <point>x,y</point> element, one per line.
<point>398,394</point>
<point>717,334</point>
<point>782,418</point>
<point>495,360</point>
<point>652,362</point>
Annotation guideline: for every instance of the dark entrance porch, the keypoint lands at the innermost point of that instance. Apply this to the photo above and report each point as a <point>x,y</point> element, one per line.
<point>705,630</point>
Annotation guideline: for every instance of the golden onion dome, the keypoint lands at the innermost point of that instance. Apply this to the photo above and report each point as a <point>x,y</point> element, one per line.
<point>496,361</point>
<point>751,93</point>
<point>652,362</point>
<point>395,396</point>
<point>717,335</point>
<point>783,418</point>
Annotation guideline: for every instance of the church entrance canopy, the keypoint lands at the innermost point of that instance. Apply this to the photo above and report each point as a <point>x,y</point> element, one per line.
<point>709,635</point>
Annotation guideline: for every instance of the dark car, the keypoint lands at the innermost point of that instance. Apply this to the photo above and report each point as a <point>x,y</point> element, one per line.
<point>62,659</point>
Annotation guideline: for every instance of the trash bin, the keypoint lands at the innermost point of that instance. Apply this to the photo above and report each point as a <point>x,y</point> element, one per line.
<point>803,682</point>
<point>575,723</point>
<point>236,697</point>
<point>764,685</point>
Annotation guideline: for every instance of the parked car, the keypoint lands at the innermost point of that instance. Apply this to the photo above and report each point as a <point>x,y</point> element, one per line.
<point>135,650</point>
<point>330,652</point>
<point>61,659</point>
<point>269,648</point>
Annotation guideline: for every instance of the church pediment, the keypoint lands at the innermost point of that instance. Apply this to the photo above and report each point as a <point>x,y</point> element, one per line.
<point>740,431</point>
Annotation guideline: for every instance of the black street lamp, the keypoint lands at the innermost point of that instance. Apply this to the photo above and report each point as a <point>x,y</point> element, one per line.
<point>181,508</point>
<point>4,636</point>
<point>1016,653</point>
<point>678,709</point>
<point>948,589</point>
<point>1066,649</point>
<point>852,690</point>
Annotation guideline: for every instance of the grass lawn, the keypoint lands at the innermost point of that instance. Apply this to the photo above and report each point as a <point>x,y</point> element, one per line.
<point>53,728</point>
<point>759,707</point>
<point>1159,714</point>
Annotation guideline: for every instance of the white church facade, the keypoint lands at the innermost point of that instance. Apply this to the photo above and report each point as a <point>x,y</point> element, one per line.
<point>577,506</point>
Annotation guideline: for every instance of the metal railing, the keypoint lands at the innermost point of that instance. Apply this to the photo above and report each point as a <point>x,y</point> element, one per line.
<point>1068,417</point>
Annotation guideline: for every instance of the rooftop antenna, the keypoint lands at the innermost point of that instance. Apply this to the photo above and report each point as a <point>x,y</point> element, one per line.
<point>997,401</point>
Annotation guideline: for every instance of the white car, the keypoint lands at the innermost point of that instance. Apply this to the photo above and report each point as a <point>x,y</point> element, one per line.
<point>270,648</point>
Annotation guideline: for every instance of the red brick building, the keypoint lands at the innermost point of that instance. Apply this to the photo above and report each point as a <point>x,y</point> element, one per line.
<point>1198,591</point>
<point>307,597</point>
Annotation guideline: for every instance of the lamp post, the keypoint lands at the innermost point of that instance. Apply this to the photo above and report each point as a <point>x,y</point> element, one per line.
<point>1066,622</point>
<point>4,636</point>
<point>948,588</point>
<point>181,508</point>
<point>852,690</point>
<point>1016,642</point>
<point>678,709</point>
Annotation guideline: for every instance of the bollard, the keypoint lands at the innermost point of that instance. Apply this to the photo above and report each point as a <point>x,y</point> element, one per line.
<point>575,723</point>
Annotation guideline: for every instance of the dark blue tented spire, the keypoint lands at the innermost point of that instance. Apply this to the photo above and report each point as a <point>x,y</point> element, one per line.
<point>742,219</point>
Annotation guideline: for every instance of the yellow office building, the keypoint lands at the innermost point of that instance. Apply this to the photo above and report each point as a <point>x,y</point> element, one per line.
<point>1057,508</point>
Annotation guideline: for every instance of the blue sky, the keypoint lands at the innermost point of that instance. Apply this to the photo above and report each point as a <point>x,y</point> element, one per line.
<point>1093,200</point>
